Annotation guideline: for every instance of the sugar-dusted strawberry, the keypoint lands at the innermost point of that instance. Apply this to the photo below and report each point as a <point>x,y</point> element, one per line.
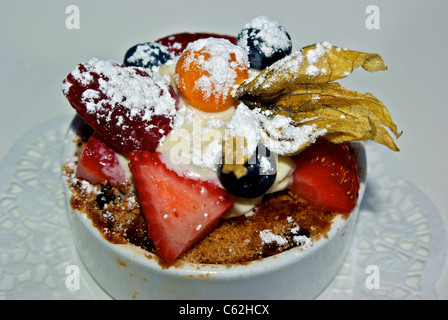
<point>179,211</point>
<point>127,106</point>
<point>99,163</point>
<point>177,43</point>
<point>326,175</point>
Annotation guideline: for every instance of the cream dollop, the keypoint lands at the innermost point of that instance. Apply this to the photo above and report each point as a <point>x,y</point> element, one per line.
<point>194,147</point>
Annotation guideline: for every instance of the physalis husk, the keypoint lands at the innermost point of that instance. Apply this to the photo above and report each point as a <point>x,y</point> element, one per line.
<point>301,86</point>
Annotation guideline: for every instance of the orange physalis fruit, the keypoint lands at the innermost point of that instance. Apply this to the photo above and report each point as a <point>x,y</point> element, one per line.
<point>208,71</point>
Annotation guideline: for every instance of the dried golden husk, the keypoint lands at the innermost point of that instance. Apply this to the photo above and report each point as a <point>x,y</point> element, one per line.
<point>299,86</point>
<point>318,63</point>
<point>347,115</point>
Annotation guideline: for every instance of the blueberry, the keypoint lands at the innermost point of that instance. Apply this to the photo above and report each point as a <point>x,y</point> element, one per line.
<point>258,175</point>
<point>105,196</point>
<point>147,55</point>
<point>265,40</point>
<point>82,129</point>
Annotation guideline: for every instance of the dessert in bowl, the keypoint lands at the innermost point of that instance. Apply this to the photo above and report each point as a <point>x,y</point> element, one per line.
<point>213,167</point>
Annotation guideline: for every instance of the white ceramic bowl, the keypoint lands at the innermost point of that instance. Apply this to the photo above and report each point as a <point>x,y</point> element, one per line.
<point>129,272</point>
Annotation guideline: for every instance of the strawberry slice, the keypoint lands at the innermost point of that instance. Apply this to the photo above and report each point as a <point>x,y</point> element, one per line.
<point>326,175</point>
<point>179,211</point>
<point>127,106</point>
<point>99,163</point>
<point>177,43</point>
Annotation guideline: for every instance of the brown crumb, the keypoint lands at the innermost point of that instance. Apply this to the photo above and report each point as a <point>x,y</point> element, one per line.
<point>117,215</point>
<point>238,240</point>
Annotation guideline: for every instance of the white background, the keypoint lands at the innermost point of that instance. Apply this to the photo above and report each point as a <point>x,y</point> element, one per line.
<point>37,51</point>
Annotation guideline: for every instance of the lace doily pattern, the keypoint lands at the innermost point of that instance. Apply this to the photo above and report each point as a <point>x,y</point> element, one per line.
<point>397,253</point>
<point>36,248</point>
<point>400,243</point>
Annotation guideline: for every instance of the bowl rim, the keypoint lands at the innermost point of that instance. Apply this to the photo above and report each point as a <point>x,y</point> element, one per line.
<point>150,260</point>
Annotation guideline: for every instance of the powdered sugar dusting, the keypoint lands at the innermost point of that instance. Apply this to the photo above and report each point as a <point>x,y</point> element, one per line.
<point>303,241</point>
<point>314,55</point>
<point>243,124</point>
<point>220,60</point>
<point>85,78</point>
<point>129,87</point>
<point>290,66</point>
<point>278,133</point>
<point>268,237</point>
<point>147,54</point>
<point>273,35</point>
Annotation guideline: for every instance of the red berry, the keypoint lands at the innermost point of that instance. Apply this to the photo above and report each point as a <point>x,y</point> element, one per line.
<point>326,175</point>
<point>128,107</point>
<point>99,163</point>
<point>177,43</point>
<point>179,211</point>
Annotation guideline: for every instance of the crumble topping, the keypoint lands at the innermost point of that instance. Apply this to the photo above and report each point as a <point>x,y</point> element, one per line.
<point>279,222</point>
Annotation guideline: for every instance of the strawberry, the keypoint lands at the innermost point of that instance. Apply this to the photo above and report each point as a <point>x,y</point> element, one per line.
<point>99,163</point>
<point>128,107</point>
<point>177,43</point>
<point>326,175</point>
<point>179,211</point>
